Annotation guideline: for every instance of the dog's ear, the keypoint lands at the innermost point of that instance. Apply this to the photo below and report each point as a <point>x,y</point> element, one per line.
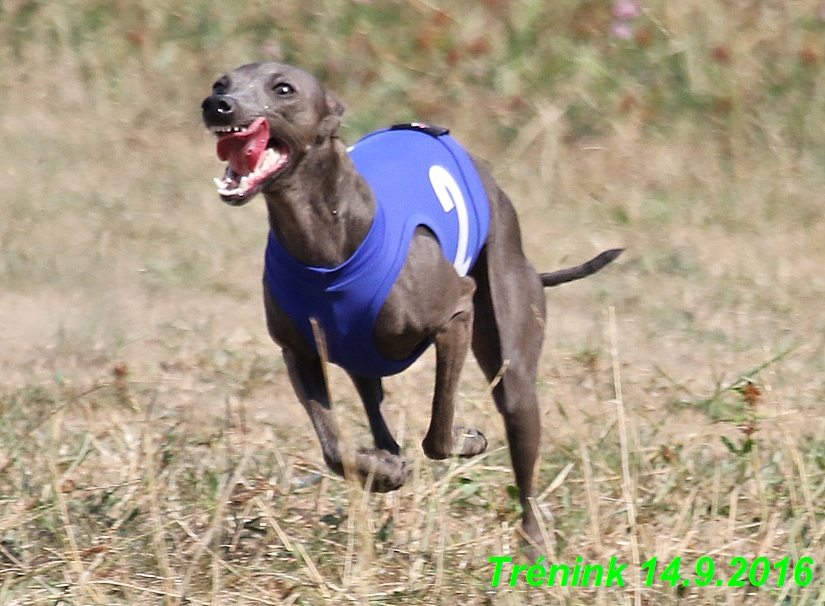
<point>334,106</point>
<point>332,121</point>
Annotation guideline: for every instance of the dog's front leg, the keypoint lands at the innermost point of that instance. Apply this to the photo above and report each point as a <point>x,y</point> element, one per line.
<point>383,471</point>
<point>451,346</point>
<point>372,394</point>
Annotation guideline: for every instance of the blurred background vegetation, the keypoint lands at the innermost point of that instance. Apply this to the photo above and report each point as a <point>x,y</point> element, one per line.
<point>731,89</point>
<point>740,64</point>
<point>689,129</point>
<point>689,132</point>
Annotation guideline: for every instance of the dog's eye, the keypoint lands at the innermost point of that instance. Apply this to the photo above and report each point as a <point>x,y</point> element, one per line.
<point>283,89</point>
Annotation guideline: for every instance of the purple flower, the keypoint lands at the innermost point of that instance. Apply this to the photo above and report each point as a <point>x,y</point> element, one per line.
<point>621,30</point>
<point>625,10</point>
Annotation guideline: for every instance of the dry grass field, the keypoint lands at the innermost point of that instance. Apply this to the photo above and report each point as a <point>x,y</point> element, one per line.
<point>151,448</point>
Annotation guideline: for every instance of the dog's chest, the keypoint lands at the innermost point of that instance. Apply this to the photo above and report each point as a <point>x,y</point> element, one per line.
<point>419,178</point>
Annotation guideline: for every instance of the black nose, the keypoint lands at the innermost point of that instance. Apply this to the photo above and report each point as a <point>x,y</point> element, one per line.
<point>218,110</point>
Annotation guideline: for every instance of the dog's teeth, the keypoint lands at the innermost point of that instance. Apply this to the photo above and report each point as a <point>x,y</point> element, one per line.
<point>272,159</point>
<point>223,130</point>
<point>223,186</point>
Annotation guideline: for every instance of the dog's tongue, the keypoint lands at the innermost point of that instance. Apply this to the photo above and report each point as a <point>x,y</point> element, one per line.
<point>243,150</point>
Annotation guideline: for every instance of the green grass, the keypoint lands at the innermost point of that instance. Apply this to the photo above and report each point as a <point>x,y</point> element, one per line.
<point>152,450</point>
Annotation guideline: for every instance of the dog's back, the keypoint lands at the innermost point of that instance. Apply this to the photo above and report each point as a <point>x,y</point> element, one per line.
<point>419,177</point>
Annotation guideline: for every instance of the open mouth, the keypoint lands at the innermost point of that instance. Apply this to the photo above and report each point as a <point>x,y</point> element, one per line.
<point>252,156</point>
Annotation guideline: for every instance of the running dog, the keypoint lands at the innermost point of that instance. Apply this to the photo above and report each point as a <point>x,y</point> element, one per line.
<point>376,252</point>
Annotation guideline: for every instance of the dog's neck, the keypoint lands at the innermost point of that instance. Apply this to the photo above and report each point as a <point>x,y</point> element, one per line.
<point>322,212</point>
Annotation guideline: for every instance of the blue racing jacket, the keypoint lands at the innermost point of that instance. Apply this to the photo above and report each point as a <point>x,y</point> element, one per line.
<point>420,176</point>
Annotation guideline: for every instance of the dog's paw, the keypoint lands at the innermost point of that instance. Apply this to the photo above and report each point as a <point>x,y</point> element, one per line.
<point>468,442</point>
<point>532,540</point>
<point>381,471</point>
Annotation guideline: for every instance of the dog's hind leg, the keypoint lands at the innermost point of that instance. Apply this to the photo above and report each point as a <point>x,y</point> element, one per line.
<point>507,337</point>
<point>372,394</point>
<point>386,470</point>
<point>507,341</point>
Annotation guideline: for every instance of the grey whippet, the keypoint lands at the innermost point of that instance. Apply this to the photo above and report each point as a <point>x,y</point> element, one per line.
<point>277,128</point>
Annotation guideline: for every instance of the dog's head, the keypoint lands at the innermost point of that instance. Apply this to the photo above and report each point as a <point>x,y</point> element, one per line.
<point>267,117</point>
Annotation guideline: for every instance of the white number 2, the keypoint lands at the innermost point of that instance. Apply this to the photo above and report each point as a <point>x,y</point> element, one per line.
<point>450,196</point>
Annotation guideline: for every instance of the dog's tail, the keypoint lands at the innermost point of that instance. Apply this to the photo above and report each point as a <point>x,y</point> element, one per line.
<point>554,278</point>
